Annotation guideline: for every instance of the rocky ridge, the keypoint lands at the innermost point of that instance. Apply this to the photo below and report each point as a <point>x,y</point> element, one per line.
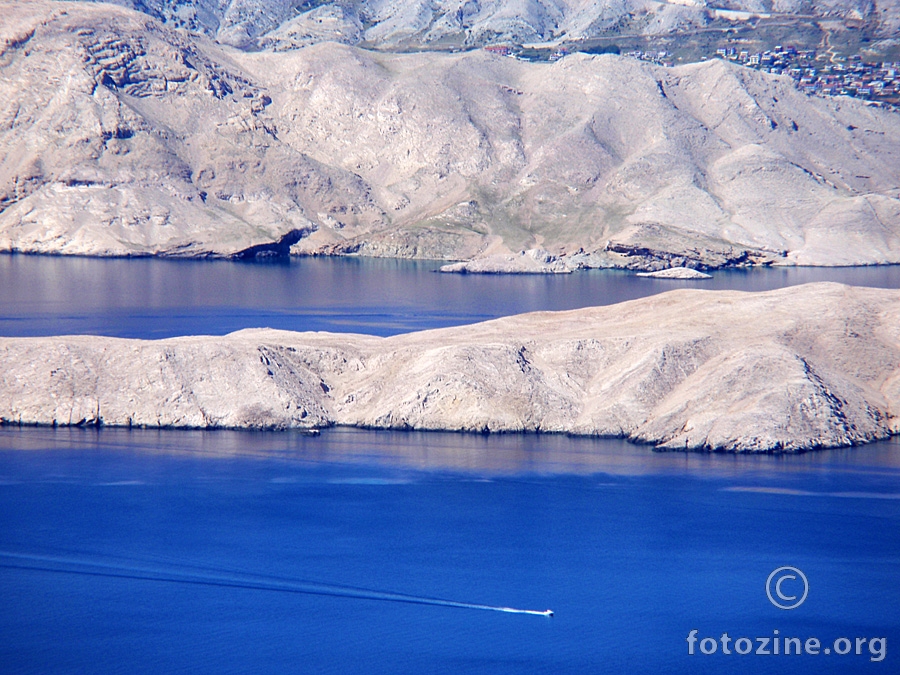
<point>122,136</point>
<point>783,371</point>
<point>393,24</point>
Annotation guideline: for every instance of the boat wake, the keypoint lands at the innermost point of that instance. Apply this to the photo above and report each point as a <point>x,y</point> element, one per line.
<point>211,576</point>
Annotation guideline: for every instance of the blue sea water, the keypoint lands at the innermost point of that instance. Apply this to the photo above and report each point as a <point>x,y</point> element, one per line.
<point>154,298</point>
<point>144,551</point>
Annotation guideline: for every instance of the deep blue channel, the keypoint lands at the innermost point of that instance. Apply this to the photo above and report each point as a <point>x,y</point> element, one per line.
<point>631,549</point>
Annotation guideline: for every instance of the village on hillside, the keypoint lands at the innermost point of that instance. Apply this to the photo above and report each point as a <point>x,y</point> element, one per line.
<point>816,73</point>
<point>824,73</point>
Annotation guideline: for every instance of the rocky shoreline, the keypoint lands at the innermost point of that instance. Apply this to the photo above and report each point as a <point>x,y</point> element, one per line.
<point>795,369</point>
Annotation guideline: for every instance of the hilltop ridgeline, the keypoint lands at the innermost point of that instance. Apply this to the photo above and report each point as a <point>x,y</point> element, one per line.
<point>424,24</point>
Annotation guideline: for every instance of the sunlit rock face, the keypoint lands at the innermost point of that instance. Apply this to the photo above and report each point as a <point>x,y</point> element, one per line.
<point>120,135</point>
<point>784,371</point>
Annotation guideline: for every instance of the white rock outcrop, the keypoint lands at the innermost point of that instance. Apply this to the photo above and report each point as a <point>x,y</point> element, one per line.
<point>676,273</point>
<point>532,261</point>
<point>783,371</point>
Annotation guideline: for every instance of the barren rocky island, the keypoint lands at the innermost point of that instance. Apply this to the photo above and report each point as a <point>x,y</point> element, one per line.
<point>785,371</point>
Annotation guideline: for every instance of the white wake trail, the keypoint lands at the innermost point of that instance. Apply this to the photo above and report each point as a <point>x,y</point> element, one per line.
<point>63,565</point>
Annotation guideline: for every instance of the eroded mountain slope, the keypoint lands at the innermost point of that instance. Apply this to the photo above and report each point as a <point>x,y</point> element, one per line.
<point>121,136</point>
<point>393,24</point>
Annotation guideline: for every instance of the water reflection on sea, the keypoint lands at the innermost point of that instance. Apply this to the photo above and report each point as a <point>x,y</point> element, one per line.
<point>153,298</point>
<point>480,454</point>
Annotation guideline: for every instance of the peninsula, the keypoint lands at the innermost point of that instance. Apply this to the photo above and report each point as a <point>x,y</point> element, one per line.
<point>790,370</point>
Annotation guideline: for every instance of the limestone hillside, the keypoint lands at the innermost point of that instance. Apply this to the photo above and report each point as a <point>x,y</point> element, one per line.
<point>120,135</point>
<point>784,371</point>
<point>393,24</point>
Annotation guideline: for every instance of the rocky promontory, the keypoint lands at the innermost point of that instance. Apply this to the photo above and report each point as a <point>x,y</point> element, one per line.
<point>783,371</point>
<point>685,273</point>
